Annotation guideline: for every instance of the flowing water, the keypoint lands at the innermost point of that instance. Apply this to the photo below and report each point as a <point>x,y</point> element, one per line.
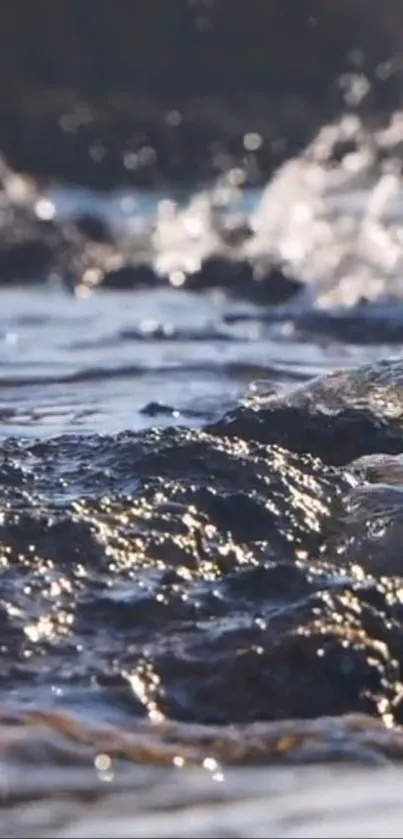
<point>201,522</point>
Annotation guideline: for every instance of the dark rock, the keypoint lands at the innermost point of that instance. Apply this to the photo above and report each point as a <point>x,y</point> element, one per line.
<point>214,556</point>
<point>369,529</point>
<point>130,276</point>
<point>30,247</point>
<point>155,409</point>
<point>231,578</point>
<point>322,668</point>
<point>234,235</point>
<point>94,228</point>
<point>25,261</point>
<point>220,272</point>
<point>342,148</point>
<point>338,417</point>
<point>262,283</point>
<point>272,285</point>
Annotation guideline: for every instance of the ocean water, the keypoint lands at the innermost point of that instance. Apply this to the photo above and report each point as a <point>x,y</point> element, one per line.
<point>164,534</point>
<point>94,361</point>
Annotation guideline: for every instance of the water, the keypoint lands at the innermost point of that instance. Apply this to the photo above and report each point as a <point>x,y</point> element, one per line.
<point>93,364</point>
<point>185,583</point>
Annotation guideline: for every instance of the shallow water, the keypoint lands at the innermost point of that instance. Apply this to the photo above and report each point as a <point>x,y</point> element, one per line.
<point>94,362</point>
<point>231,568</point>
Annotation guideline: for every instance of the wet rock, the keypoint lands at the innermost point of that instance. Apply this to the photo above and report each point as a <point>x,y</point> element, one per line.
<point>272,285</point>
<point>220,272</point>
<point>379,468</point>
<point>337,417</point>
<point>29,247</point>
<point>155,409</point>
<point>342,148</point>
<point>175,516</point>
<point>35,247</point>
<point>25,261</point>
<point>130,276</point>
<point>234,235</point>
<point>218,544</point>
<point>239,580</point>
<point>94,228</point>
<point>262,283</point>
<point>369,530</point>
<point>322,666</point>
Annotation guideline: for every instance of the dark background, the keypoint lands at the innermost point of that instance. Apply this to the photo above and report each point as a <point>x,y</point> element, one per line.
<point>87,84</point>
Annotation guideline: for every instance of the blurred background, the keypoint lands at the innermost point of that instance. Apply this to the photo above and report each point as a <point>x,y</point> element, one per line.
<point>145,92</point>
